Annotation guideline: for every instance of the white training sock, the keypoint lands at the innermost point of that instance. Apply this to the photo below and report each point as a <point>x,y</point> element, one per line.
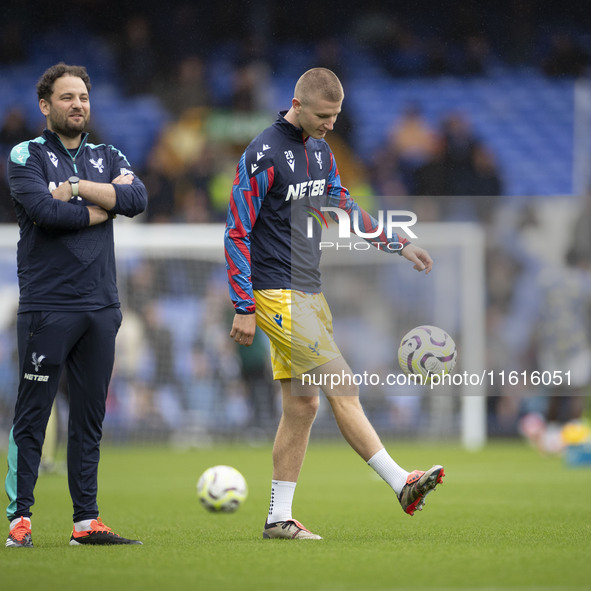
<point>16,521</point>
<point>83,525</point>
<point>282,493</point>
<point>389,470</point>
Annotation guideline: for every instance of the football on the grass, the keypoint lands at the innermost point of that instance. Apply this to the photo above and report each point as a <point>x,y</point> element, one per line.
<point>222,489</point>
<point>427,350</point>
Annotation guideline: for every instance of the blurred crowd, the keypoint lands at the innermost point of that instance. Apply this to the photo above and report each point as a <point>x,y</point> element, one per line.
<point>211,68</point>
<point>212,71</point>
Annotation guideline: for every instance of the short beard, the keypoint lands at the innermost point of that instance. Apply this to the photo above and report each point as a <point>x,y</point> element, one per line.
<point>68,131</point>
<point>63,128</point>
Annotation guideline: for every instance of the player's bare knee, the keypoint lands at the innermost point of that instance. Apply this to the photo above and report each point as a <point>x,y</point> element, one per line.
<point>342,390</point>
<point>301,408</point>
<point>344,403</point>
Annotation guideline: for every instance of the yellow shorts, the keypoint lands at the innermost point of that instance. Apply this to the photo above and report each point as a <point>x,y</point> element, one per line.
<point>299,326</point>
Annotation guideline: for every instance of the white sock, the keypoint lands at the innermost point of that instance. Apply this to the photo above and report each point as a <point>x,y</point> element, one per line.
<point>83,525</point>
<point>16,521</point>
<point>389,470</point>
<point>282,493</point>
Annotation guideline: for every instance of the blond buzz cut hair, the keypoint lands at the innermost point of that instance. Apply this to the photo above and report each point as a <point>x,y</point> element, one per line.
<point>319,83</point>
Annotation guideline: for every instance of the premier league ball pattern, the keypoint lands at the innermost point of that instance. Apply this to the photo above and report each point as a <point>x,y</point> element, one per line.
<point>222,489</point>
<point>427,350</point>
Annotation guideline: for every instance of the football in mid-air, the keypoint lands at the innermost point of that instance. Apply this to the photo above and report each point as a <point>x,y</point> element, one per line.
<point>222,489</point>
<point>427,350</point>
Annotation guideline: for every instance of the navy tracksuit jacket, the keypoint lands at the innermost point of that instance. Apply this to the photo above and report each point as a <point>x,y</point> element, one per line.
<point>68,310</point>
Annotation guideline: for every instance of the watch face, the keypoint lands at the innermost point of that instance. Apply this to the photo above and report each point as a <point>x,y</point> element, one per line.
<point>73,179</point>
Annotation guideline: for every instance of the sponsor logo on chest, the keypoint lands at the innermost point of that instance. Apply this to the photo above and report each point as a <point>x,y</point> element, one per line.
<point>306,189</point>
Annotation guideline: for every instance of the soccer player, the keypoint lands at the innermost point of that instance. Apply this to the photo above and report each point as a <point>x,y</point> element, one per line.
<point>66,193</point>
<point>273,271</point>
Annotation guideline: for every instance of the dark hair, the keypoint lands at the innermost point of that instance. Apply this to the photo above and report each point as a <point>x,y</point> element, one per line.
<point>46,82</point>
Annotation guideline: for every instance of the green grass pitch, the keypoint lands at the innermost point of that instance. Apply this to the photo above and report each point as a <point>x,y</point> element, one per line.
<point>505,518</point>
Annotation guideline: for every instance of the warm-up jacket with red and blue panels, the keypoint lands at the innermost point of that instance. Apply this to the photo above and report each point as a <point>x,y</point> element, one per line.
<point>63,263</point>
<point>282,175</point>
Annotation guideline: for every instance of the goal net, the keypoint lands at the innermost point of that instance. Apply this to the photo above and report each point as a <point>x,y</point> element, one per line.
<point>179,378</point>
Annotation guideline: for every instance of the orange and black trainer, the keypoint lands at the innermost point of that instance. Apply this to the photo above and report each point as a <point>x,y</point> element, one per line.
<point>20,535</point>
<point>98,535</point>
<point>418,485</point>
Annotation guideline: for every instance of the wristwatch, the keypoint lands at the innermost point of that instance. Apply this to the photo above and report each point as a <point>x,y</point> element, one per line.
<point>74,180</point>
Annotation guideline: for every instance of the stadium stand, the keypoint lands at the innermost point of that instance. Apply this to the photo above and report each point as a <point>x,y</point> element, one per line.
<point>525,117</point>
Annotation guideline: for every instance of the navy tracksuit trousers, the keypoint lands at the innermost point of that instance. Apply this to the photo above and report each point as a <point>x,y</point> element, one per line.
<point>84,343</point>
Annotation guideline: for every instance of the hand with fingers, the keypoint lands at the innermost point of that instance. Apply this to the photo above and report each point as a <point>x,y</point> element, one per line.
<point>243,329</point>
